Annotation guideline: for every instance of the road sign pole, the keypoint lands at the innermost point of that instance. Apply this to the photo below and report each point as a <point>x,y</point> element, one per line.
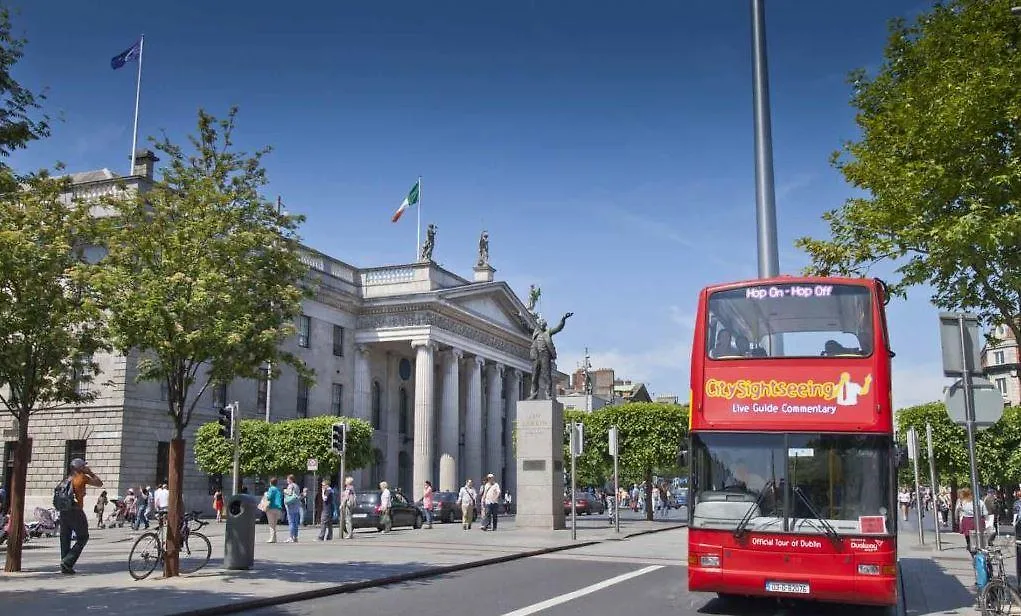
<point>614,449</point>
<point>235,426</point>
<point>969,410</point>
<point>574,504</point>
<point>913,438</point>
<point>933,485</point>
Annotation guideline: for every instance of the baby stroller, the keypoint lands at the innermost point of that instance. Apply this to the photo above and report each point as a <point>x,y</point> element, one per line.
<point>45,523</point>
<point>119,516</point>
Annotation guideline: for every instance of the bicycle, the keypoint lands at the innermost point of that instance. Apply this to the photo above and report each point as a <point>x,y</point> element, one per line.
<point>194,552</point>
<point>998,596</point>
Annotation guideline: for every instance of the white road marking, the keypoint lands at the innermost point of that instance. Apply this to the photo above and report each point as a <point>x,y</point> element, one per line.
<point>581,592</point>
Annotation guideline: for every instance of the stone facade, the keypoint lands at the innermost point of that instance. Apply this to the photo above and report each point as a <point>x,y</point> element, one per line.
<point>436,362</point>
<point>1000,361</point>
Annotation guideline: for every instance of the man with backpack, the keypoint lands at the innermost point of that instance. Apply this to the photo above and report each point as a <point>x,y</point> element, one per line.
<point>69,500</point>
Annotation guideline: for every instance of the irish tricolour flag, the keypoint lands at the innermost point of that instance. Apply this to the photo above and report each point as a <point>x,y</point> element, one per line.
<point>409,201</point>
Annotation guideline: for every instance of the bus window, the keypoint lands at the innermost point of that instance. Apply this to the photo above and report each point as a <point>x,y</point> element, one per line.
<point>791,320</point>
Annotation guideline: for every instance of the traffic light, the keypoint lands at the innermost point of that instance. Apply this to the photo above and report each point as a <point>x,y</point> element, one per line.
<point>226,421</point>
<point>339,437</point>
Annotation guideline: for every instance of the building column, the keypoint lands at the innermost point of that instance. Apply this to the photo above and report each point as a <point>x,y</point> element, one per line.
<point>473,420</point>
<point>422,462</point>
<point>450,424</point>
<point>389,422</point>
<point>494,421</point>
<point>363,383</point>
<point>510,481</point>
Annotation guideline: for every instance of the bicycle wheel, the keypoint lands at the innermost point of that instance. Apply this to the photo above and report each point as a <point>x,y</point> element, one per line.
<point>145,555</point>
<point>999,598</point>
<point>194,553</point>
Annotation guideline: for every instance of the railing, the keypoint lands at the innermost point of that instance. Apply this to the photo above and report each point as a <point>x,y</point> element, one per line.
<point>388,275</point>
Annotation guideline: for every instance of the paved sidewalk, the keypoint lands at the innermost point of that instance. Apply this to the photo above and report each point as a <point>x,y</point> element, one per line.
<point>103,583</point>
<point>942,581</point>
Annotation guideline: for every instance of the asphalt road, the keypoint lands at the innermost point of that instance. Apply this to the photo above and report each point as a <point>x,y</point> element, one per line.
<point>637,576</point>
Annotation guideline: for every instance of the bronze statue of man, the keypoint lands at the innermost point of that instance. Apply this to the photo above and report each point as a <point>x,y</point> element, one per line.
<point>543,355</point>
<point>429,244</point>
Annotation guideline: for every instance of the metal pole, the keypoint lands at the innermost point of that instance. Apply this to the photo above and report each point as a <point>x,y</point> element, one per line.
<point>765,203</point>
<point>616,480</point>
<point>574,505</point>
<point>913,435</point>
<point>235,425</point>
<point>340,481</point>
<point>933,485</point>
<point>138,96</point>
<point>418,225</point>
<point>969,415</point>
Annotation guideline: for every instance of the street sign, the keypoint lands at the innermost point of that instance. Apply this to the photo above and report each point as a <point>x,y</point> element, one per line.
<point>313,464</point>
<point>613,440</point>
<point>988,402</point>
<point>912,444</point>
<point>578,439</point>
<point>953,340</point>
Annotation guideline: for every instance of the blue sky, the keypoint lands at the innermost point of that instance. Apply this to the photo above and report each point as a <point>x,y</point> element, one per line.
<point>606,146</point>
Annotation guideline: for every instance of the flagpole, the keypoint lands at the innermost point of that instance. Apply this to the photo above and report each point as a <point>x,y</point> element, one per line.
<point>138,94</point>
<point>418,234</point>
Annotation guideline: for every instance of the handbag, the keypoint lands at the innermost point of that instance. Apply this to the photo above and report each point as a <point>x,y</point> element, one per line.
<point>264,503</point>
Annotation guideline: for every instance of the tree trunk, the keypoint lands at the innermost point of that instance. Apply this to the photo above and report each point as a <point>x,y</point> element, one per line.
<point>953,504</point>
<point>648,494</point>
<point>171,563</point>
<point>22,452</point>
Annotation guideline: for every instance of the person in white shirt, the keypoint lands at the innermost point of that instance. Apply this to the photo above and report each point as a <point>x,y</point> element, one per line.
<point>385,502</point>
<point>162,498</point>
<point>491,501</point>
<point>466,496</point>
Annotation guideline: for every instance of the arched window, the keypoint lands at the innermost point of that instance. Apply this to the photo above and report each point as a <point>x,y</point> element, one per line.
<point>404,472</point>
<point>377,407</point>
<point>378,467</point>
<point>403,420</point>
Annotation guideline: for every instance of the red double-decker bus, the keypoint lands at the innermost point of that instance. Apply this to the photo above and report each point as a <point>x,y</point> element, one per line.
<point>792,481</point>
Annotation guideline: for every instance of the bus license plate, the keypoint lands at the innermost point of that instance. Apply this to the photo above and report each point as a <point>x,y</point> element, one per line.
<point>787,587</point>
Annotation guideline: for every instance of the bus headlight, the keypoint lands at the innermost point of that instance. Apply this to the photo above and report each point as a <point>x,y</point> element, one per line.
<point>709,560</point>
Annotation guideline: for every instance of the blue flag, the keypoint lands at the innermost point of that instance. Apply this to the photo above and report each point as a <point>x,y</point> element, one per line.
<point>133,53</point>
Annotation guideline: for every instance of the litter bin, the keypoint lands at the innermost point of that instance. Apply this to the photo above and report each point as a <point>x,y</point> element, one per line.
<point>239,540</point>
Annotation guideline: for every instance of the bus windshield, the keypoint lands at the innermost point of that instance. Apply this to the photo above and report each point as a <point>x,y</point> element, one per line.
<point>796,482</point>
<point>790,320</point>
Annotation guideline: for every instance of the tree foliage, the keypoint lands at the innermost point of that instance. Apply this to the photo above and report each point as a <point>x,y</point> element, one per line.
<point>937,160</point>
<point>998,447</point>
<point>650,438</point>
<point>203,276</point>
<point>284,447</point>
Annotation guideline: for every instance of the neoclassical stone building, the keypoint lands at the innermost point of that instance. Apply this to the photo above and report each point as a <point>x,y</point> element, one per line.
<point>434,361</point>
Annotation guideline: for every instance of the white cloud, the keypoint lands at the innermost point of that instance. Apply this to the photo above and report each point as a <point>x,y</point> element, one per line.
<point>917,384</point>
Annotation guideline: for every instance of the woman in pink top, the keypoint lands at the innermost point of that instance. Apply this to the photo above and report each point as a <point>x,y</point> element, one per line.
<point>427,504</point>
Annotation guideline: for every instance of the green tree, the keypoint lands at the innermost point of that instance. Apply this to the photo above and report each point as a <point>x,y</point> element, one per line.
<point>203,276</point>
<point>283,447</point>
<point>50,321</point>
<point>650,439</point>
<point>39,313</point>
<point>937,162</point>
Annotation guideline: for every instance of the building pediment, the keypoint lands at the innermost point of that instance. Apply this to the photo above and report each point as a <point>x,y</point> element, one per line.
<point>494,305</point>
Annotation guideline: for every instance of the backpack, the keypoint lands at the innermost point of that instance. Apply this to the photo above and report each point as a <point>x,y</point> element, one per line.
<point>63,496</point>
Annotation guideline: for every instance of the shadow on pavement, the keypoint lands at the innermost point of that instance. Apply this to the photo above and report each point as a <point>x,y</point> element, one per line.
<point>209,588</point>
<point>746,606</point>
<point>929,588</point>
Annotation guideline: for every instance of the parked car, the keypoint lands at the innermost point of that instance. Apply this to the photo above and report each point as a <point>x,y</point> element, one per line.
<point>584,504</point>
<point>365,513</point>
<point>445,507</point>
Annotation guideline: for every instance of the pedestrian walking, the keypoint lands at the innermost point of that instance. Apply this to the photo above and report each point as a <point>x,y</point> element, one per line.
<point>292,503</point>
<point>218,505</point>
<point>73,521</point>
<point>273,504</point>
<point>427,504</point>
<point>385,504</point>
<point>491,502</point>
<point>100,508</point>
<point>326,527</point>
<point>467,497</point>
<point>347,501</point>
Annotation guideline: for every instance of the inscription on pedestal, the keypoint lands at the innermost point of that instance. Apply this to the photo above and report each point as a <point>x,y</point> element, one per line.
<point>533,465</point>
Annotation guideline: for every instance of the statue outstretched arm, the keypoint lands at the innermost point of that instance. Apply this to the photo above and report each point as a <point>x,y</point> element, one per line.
<point>560,326</point>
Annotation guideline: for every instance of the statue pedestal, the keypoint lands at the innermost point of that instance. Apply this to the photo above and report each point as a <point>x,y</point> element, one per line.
<point>540,465</point>
<point>484,273</point>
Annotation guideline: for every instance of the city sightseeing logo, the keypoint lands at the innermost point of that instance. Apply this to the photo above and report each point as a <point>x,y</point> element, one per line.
<point>842,392</point>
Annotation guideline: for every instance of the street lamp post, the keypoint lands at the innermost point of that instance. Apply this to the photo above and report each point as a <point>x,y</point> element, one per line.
<point>765,198</point>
